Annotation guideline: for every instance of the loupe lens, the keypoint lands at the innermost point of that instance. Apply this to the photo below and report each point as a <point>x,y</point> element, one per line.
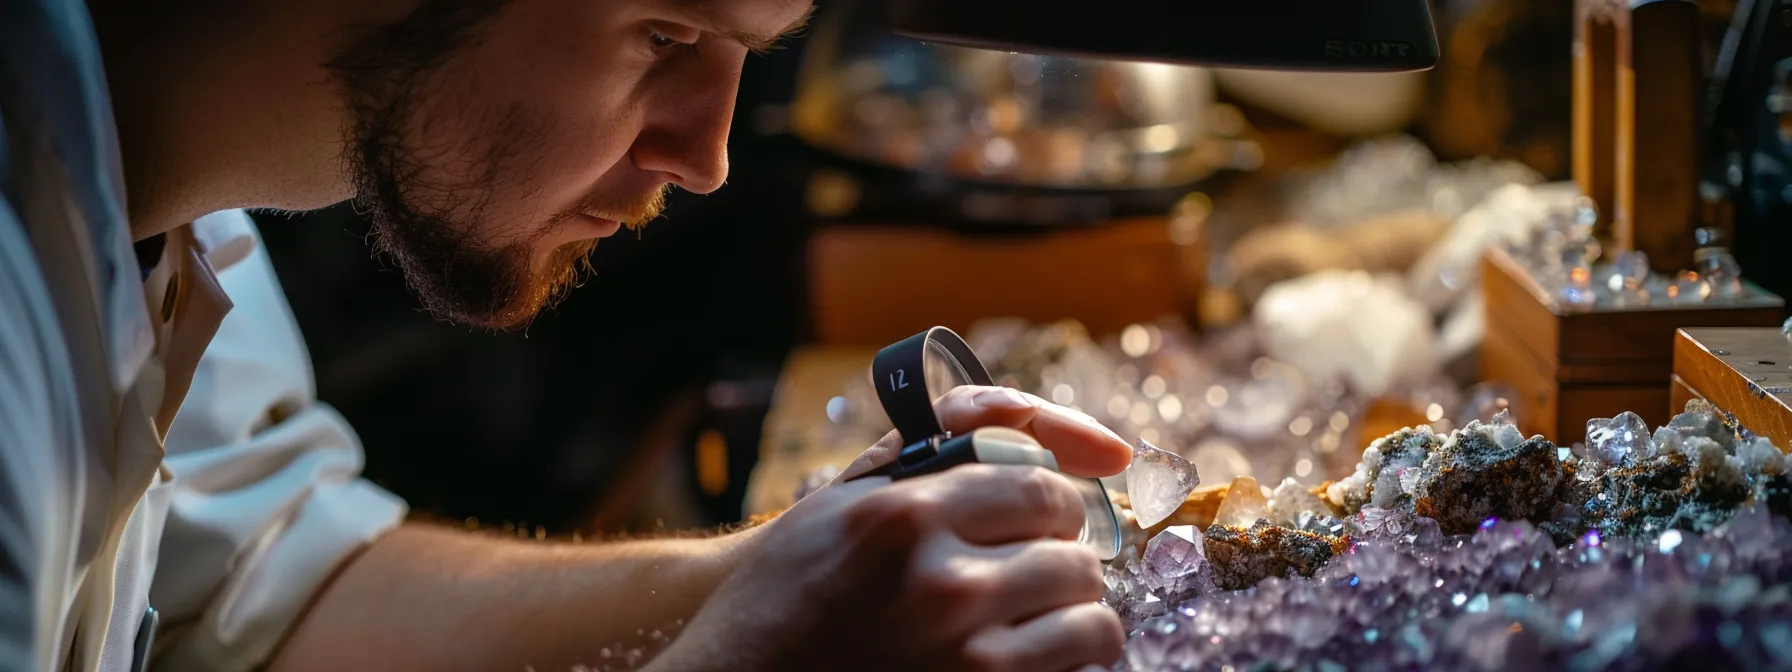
<point>942,370</point>
<point>1101,528</point>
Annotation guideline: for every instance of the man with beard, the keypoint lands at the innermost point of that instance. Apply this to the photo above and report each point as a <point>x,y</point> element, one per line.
<point>171,494</point>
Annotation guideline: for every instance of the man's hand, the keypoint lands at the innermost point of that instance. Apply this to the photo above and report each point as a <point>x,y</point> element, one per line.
<point>968,569</point>
<point>975,568</point>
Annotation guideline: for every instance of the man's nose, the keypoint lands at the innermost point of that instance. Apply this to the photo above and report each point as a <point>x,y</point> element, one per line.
<point>686,141</point>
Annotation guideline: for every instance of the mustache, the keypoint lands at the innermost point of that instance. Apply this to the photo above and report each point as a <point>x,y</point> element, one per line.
<point>634,213</point>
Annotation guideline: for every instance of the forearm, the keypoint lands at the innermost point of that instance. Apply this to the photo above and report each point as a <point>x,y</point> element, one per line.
<point>432,598</point>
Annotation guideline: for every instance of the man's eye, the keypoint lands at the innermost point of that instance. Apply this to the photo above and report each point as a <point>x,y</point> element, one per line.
<point>662,43</point>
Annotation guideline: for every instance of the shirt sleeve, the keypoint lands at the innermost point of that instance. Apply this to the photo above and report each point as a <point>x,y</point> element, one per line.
<point>268,500</point>
<point>27,435</point>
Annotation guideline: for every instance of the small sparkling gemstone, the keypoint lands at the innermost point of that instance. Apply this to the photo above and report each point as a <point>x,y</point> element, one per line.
<point>1244,504</point>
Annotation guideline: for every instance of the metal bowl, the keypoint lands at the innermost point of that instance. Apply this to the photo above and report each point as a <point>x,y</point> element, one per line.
<point>988,116</point>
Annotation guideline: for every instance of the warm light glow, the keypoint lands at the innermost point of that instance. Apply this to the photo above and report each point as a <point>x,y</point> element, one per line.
<point>1170,407</point>
<point>1160,138</point>
<point>1063,395</point>
<point>1217,396</point>
<point>1300,426</point>
<point>1153,387</point>
<point>1329,442</point>
<point>1118,406</point>
<point>712,462</point>
<point>1135,341</point>
<point>1434,412</point>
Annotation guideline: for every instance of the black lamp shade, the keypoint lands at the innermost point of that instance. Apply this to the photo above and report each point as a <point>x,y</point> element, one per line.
<point>1308,35</point>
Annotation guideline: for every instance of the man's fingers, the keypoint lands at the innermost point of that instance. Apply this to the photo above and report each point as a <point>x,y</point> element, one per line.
<point>1082,446</point>
<point>1039,577</point>
<point>990,504</point>
<point>1065,639</point>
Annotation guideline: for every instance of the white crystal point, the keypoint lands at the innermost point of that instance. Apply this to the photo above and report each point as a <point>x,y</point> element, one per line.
<point>1244,505</point>
<point>1157,482</point>
<point>1504,417</point>
<point>1291,499</point>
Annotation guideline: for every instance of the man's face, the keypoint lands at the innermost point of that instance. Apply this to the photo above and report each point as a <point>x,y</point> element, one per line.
<point>492,142</point>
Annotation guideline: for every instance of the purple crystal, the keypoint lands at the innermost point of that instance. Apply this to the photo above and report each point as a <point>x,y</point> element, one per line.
<point>1378,523</point>
<point>1425,535</point>
<point>1700,574</point>
<point>1172,557</point>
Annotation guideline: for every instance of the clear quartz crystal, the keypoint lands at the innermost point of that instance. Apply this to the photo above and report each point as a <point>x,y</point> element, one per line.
<point>1244,504</point>
<point>1576,279</point>
<point>1618,441</point>
<point>1629,279</point>
<point>1157,482</point>
<point>1689,288</point>
<point>1632,268</point>
<point>1723,274</point>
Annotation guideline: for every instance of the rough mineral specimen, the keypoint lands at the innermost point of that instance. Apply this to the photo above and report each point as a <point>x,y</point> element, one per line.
<point>1244,505</point>
<point>1243,556</point>
<point>1157,482</point>
<point>1389,469</point>
<point>1320,524</point>
<point>1486,471</point>
<point>1694,489</point>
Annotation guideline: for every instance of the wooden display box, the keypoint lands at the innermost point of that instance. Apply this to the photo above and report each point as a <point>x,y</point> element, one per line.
<point>1747,372</point>
<point>875,285</point>
<point>1569,364</point>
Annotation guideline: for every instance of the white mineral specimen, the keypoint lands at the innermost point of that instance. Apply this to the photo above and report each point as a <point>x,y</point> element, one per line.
<point>1758,457</point>
<point>1350,325</point>
<point>1289,500</point>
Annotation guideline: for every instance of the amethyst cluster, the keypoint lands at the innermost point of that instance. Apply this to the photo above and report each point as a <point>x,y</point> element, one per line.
<point>1503,598</point>
<point>1636,550</point>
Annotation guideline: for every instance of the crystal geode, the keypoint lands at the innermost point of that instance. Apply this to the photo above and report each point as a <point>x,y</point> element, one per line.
<point>1485,550</point>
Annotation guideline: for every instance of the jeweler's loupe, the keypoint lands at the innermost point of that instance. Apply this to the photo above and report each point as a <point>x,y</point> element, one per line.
<point>912,374</point>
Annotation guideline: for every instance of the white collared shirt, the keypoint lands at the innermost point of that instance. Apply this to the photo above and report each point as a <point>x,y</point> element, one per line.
<point>228,521</point>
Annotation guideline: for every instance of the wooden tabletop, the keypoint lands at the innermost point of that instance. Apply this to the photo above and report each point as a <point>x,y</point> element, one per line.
<point>1747,372</point>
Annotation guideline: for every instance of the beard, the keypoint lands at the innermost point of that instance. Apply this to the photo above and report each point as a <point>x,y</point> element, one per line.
<point>428,226</point>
